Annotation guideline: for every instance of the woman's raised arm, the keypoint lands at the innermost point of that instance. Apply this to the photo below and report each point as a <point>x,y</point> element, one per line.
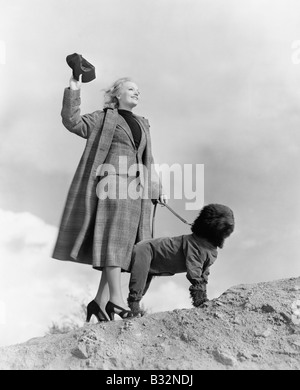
<point>81,125</point>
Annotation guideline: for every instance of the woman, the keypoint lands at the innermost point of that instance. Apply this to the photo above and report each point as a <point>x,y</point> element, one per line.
<point>100,227</point>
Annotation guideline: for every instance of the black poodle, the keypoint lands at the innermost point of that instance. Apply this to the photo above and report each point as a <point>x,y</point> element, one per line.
<point>191,253</point>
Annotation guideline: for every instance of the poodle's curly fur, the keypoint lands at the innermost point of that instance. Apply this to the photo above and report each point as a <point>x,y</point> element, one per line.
<point>215,223</point>
<point>198,295</point>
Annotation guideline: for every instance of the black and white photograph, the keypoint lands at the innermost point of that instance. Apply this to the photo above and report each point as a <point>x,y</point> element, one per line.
<point>149,187</point>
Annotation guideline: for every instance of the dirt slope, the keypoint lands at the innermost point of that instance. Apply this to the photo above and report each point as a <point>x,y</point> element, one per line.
<point>248,327</point>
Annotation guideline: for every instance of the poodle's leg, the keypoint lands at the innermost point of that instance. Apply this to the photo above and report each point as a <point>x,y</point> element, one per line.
<point>148,282</point>
<point>139,281</point>
<point>198,294</point>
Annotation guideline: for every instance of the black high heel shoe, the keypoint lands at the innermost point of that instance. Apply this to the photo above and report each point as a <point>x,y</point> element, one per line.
<point>93,308</point>
<point>112,309</point>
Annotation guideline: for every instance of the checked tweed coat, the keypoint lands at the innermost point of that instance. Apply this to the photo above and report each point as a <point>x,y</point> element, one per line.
<point>97,231</point>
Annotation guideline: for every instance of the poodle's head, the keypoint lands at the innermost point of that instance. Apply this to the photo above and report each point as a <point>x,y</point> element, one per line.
<point>215,223</point>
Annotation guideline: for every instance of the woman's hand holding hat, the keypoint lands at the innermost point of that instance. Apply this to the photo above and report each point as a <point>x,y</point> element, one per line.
<point>74,84</point>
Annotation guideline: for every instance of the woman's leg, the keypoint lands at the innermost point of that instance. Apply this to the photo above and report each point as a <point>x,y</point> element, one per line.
<point>102,296</point>
<point>113,275</point>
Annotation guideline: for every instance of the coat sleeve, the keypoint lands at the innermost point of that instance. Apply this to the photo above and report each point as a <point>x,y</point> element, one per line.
<point>155,182</point>
<point>156,186</point>
<point>197,272</point>
<point>81,125</point>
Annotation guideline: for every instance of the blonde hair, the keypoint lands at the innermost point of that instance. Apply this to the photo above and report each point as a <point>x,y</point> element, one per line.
<point>111,93</point>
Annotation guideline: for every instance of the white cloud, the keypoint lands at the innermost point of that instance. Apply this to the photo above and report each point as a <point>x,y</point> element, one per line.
<point>35,289</point>
<point>26,228</point>
<point>167,293</point>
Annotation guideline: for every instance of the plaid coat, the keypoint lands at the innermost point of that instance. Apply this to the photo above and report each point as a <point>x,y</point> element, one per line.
<point>108,136</point>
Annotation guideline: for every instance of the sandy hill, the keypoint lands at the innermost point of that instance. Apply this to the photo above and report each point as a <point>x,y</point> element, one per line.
<point>248,327</point>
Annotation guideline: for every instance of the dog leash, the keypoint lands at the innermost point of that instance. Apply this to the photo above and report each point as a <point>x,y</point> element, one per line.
<point>172,211</point>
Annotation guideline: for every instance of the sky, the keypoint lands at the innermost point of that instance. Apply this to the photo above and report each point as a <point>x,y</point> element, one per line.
<point>220,85</point>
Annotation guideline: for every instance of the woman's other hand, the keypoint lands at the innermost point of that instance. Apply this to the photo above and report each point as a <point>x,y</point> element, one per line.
<point>74,84</point>
<point>163,199</point>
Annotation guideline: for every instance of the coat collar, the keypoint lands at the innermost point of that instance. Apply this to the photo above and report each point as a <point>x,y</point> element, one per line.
<point>122,123</point>
<point>141,120</point>
<point>144,125</point>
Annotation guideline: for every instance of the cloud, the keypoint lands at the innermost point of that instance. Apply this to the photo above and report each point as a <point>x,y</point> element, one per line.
<point>35,289</point>
<point>168,293</point>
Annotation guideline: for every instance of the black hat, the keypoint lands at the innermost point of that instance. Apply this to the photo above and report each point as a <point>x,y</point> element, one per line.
<point>81,66</point>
